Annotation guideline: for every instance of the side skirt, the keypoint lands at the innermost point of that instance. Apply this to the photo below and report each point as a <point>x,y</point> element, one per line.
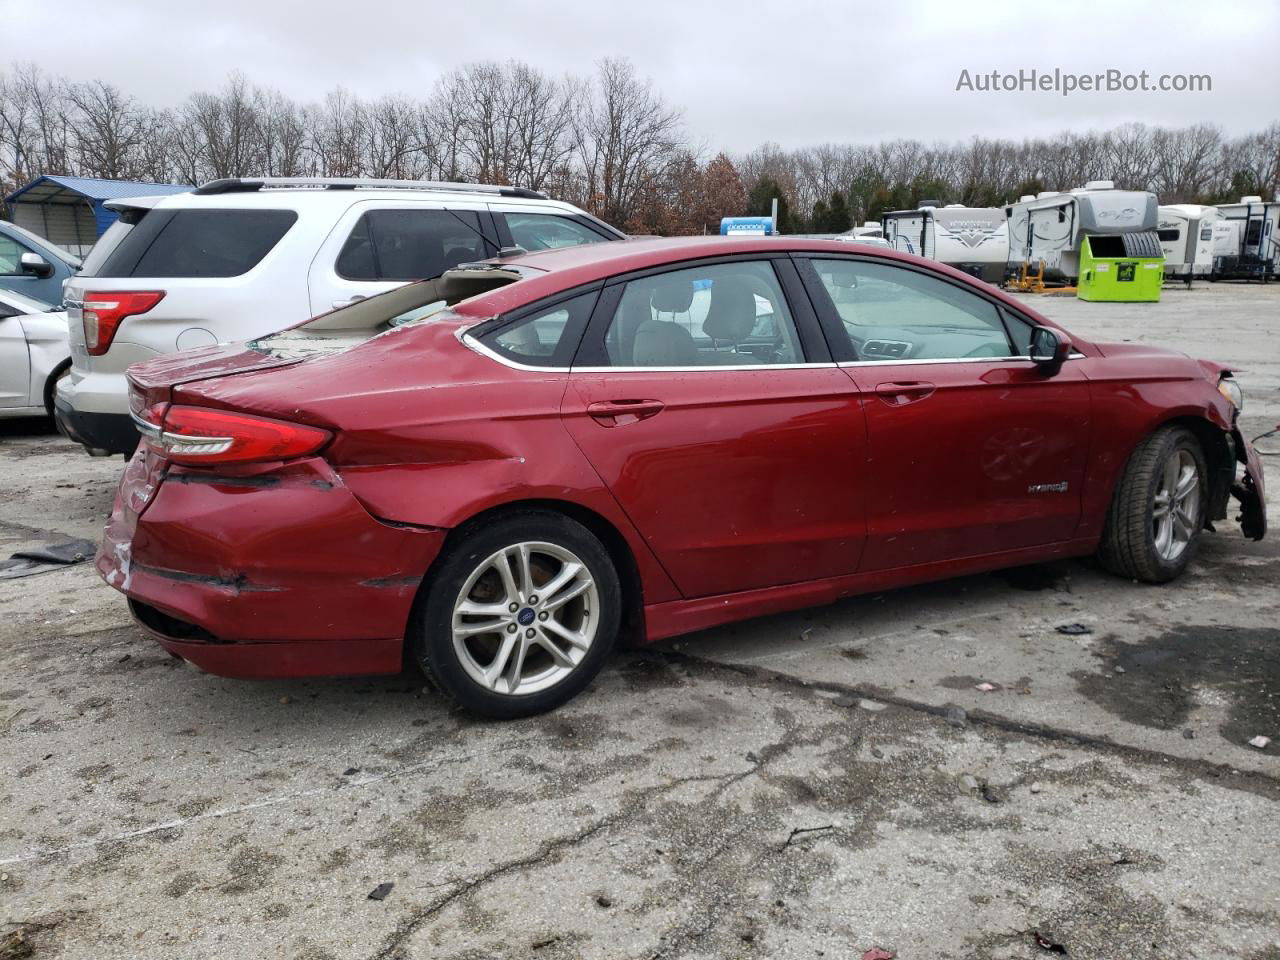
<point>671,619</point>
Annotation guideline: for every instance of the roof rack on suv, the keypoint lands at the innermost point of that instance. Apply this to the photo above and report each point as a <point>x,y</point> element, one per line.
<point>242,185</point>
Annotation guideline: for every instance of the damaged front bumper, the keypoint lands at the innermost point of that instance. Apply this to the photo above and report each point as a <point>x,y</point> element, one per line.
<point>1249,489</point>
<point>271,574</point>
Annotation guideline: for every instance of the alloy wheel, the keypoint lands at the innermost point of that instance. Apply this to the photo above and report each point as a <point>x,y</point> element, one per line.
<point>1175,512</point>
<point>525,618</point>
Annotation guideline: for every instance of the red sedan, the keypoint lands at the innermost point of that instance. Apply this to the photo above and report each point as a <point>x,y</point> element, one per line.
<point>498,472</point>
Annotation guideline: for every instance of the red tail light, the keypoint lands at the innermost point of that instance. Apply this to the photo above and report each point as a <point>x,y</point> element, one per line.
<point>199,436</point>
<point>103,312</point>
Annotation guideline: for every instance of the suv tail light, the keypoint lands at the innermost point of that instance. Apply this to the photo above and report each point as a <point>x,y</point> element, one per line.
<point>199,436</point>
<point>102,314</point>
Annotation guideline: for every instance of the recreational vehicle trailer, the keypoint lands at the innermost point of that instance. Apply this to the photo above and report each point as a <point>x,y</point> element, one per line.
<point>1246,242</point>
<point>972,239</point>
<point>1186,237</point>
<point>1050,226</point>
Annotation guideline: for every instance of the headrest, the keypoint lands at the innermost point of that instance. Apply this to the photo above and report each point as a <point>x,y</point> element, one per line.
<point>661,343</point>
<point>732,314</point>
<point>672,296</point>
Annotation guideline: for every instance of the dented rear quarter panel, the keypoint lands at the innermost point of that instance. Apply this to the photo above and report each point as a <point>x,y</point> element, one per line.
<point>430,433</point>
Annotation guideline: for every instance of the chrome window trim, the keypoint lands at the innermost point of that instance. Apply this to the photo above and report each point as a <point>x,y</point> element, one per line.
<point>903,363</point>
<point>464,337</point>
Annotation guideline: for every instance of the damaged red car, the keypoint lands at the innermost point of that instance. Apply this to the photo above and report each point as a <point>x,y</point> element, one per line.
<point>500,472</point>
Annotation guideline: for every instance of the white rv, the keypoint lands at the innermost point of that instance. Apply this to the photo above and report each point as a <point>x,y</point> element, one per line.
<point>1187,238</point>
<point>1247,240</point>
<point>1051,226</point>
<point>972,239</point>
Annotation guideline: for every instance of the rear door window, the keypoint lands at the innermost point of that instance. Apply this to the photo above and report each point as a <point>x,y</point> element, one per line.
<point>404,245</point>
<point>545,231</point>
<point>197,243</point>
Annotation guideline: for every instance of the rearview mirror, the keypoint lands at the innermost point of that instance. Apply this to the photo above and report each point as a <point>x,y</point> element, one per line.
<point>1049,349</point>
<point>36,265</point>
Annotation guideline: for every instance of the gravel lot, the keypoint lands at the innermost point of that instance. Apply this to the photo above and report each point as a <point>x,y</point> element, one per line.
<point>797,786</point>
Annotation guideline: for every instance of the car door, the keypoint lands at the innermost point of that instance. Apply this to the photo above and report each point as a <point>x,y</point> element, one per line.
<point>15,364</point>
<point>971,448</point>
<point>707,401</point>
<point>377,245</point>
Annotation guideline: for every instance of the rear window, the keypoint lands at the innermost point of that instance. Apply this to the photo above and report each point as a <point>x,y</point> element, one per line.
<point>195,243</point>
<point>407,245</point>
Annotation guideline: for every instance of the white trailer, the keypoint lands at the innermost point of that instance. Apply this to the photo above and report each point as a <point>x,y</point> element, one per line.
<point>1051,226</point>
<point>1186,232</point>
<point>1247,240</point>
<point>972,239</point>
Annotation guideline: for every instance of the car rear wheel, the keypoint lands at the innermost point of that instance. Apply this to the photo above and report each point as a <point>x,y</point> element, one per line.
<point>1157,514</point>
<point>519,616</point>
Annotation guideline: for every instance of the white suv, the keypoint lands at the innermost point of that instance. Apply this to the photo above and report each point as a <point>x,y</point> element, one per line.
<point>238,259</point>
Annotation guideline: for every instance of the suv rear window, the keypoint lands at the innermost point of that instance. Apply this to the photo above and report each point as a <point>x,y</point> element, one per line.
<point>196,243</point>
<point>411,244</point>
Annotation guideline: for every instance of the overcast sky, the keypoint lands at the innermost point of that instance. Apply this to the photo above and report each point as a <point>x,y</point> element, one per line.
<point>791,71</point>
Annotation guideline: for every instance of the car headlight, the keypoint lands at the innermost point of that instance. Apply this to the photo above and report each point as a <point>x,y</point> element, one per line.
<point>1231,390</point>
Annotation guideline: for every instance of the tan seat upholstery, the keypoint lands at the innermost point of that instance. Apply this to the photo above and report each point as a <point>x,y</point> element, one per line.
<point>730,319</point>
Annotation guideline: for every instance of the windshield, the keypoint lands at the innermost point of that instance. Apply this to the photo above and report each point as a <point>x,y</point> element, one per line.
<point>25,304</point>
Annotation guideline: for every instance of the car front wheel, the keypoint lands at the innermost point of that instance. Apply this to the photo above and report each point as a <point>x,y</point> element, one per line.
<point>1157,513</point>
<point>519,615</point>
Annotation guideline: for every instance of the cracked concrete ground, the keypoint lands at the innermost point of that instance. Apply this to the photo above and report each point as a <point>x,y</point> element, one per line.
<point>798,786</point>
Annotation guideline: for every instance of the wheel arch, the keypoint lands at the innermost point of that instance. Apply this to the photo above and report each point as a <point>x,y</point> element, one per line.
<point>615,544</point>
<point>1220,457</point>
<point>51,383</point>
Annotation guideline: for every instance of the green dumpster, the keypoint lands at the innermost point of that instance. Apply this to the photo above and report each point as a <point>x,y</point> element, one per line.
<point>1121,266</point>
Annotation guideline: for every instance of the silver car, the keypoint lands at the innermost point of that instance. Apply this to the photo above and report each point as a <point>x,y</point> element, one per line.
<point>34,355</point>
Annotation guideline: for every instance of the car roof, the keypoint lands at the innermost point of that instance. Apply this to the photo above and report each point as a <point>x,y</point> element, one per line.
<point>311,198</point>
<point>568,267</point>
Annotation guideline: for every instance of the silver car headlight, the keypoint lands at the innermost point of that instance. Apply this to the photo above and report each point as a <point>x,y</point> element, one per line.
<point>1231,390</point>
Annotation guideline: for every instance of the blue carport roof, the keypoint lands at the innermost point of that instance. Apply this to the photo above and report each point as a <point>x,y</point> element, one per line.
<point>58,189</point>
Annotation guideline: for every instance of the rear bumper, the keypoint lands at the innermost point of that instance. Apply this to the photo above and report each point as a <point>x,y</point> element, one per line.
<point>278,574</point>
<point>111,432</point>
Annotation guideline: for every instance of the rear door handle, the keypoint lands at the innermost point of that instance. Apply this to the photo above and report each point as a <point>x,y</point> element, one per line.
<point>900,393</point>
<point>612,413</point>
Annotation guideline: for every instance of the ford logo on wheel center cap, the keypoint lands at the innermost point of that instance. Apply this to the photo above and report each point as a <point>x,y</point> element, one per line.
<point>525,616</point>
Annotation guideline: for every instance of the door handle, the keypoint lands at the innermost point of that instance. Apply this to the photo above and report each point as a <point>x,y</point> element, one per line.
<point>900,393</point>
<point>339,304</point>
<point>612,413</point>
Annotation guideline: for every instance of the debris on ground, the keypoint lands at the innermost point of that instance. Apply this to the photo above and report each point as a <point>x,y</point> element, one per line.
<point>800,831</point>
<point>381,891</point>
<point>875,706</point>
<point>1073,629</point>
<point>25,563</point>
<point>878,953</point>
<point>986,687</point>
<point>14,945</point>
<point>970,783</point>
<point>1035,787</point>
<point>1188,734</point>
<point>603,902</point>
<point>845,701</point>
<point>350,771</point>
<point>956,716</point>
<point>1260,742</point>
<point>1046,944</point>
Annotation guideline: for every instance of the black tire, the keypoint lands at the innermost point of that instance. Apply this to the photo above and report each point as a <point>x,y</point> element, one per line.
<point>431,630</point>
<point>1129,540</point>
